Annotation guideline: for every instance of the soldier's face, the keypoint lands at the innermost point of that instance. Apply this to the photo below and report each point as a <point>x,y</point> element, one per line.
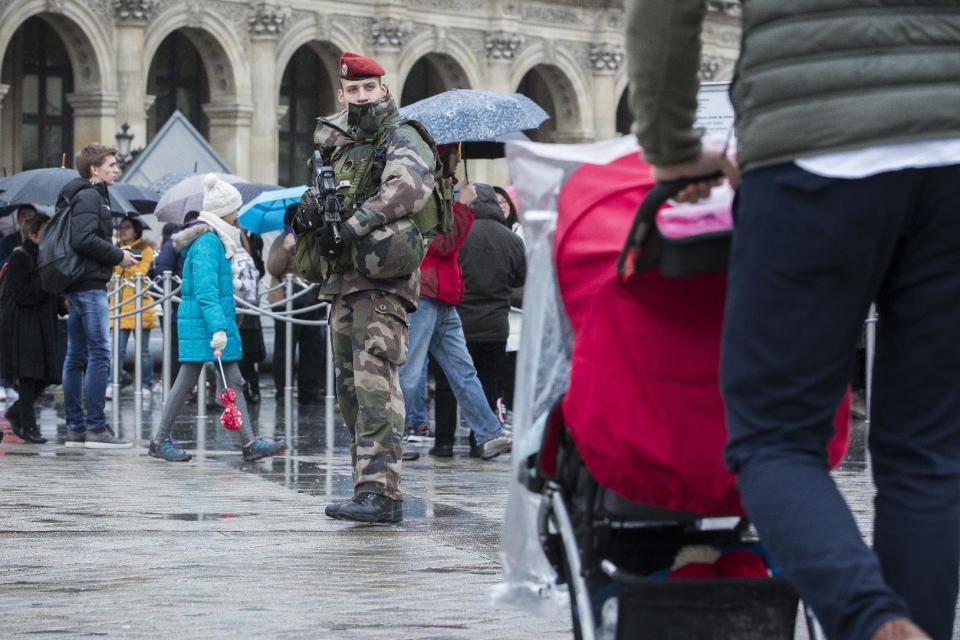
<point>361,91</point>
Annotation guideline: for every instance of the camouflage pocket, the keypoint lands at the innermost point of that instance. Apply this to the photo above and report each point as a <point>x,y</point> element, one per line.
<point>392,251</point>
<point>387,332</point>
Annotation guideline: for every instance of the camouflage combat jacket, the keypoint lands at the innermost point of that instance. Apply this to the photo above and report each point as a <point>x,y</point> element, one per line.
<point>405,186</point>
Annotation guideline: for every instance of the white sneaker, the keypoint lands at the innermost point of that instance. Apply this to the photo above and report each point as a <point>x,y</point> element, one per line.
<point>109,394</point>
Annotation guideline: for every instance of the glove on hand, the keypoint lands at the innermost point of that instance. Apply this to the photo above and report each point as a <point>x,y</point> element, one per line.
<point>327,243</point>
<point>219,341</point>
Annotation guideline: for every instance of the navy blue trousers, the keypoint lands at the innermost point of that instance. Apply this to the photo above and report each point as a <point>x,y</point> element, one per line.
<point>809,256</point>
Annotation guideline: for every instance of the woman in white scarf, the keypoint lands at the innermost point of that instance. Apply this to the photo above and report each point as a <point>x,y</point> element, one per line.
<point>206,318</point>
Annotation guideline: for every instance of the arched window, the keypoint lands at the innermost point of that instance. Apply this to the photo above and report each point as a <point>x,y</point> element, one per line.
<point>178,79</point>
<point>423,81</point>
<point>534,86</point>
<point>45,78</point>
<point>305,91</point>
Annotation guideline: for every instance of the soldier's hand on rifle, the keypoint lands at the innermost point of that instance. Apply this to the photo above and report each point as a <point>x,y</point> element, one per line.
<point>327,242</point>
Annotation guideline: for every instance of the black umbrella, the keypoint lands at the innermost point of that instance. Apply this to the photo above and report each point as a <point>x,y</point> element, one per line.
<point>43,186</point>
<point>143,198</point>
<point>489,149</point>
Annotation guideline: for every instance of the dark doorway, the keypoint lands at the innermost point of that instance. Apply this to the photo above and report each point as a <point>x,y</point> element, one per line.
<point>179,80</point>
<point>306,92</point>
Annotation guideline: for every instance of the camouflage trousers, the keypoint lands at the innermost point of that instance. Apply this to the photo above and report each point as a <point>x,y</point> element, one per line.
<point>368,330</point>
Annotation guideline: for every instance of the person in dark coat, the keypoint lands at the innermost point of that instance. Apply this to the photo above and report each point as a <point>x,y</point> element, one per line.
<point>28,332</point>
<point>493,263</point>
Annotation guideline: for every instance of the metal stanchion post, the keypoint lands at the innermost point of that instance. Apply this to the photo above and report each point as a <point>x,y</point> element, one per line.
<point>117,359</point>
<point>202,393</point>
<point>329,400</point>
<point>137,360</point>
<point>167,335</point>
<point>871,347</point>
<point>288,345</point>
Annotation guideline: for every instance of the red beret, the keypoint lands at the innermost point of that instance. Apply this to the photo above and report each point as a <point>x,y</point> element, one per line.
<point>353,66</point>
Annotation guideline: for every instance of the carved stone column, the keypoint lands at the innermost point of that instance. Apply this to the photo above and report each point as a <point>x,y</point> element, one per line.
<point>230,136</point>
<point>605,61</point>
<point>387,37</point>
<point>266,22</point>
<point>94,117</point>
<point>131,19</point>
<point>502,48</point>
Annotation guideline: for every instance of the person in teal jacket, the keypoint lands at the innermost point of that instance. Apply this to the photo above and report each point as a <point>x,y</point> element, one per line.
<point>207,317</point>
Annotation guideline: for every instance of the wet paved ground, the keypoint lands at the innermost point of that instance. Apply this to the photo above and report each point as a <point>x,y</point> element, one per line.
<point>116,544</point>
<point>120,545</point>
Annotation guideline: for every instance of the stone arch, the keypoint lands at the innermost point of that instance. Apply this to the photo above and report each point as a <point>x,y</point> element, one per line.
<point>220,48</point>
<point>453,58</point>
<point>440,70</point>
<point>326,42</point>
<point>86,42</point>
<point>564,86</point>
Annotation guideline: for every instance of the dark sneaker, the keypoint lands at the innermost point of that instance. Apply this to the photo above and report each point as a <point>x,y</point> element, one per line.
<point>167,450</point>
<point>263,448</point>
<point>105,439</point>
<point>441,451</point>
<point>371,507</point>
<point>75,438</point>
<point>501,443</point>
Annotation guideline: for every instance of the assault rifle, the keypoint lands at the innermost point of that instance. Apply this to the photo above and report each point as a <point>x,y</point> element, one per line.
<point>324,207</point>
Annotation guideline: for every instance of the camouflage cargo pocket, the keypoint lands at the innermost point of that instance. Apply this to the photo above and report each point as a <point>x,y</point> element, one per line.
<point>392,251</point>
<point>387,332</point>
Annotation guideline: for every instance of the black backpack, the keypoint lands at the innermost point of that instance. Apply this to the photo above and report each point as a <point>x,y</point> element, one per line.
<point>60,265</point>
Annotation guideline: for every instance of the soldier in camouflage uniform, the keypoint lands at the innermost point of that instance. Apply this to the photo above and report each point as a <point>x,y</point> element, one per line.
<point>368,322</point>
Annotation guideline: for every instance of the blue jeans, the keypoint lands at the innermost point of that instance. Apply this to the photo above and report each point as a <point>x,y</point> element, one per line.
<point>146,358</point>
<point>86,369</point>
<point>435,328</point>
<point>809,256</point>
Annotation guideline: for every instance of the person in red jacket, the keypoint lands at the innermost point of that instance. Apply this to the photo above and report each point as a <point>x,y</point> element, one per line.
<point>435,329</point>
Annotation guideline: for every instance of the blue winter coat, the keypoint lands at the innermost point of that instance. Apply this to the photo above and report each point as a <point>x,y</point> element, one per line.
<point>206,297</point>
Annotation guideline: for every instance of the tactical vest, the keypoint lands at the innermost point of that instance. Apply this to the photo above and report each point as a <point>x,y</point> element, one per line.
<point>397,248</point>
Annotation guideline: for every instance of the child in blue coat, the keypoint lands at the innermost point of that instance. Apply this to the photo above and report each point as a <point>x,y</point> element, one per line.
<point>207,317</point>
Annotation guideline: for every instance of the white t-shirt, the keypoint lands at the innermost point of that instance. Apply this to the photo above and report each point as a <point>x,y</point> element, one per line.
<point>861,163</point>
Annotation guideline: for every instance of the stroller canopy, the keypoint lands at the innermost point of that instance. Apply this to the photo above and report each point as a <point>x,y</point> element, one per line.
<point>644,404</point>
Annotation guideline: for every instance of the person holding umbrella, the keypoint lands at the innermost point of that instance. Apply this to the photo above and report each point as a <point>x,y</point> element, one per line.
<point>207,317</point>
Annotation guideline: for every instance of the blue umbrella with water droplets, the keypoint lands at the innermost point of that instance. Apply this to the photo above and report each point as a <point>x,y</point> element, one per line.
<point>462,115</point>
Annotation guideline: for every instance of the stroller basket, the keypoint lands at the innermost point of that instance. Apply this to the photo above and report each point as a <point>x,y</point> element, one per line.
<point>693,609</point>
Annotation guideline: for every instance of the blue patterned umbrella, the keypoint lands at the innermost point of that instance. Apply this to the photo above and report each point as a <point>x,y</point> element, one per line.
<point>462,115</point>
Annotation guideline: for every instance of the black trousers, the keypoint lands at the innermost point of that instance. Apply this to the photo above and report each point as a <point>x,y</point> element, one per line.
<point>310,367</point>
<point>809,256</point>
<point>489,359</point>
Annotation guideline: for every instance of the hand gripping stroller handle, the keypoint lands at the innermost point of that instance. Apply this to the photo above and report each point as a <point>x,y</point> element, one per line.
<point>639,235</point>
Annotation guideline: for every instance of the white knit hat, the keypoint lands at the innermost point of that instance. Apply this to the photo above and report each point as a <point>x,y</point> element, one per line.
<point>220,198</point>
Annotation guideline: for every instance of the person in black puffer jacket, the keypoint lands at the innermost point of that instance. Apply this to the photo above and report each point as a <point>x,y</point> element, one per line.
<point>493,263</point>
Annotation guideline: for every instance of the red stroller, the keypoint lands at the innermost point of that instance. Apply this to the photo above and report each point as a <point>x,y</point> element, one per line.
<point>629,465</point>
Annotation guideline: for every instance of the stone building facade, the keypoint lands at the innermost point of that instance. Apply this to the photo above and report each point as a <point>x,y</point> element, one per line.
<point>252,75</point>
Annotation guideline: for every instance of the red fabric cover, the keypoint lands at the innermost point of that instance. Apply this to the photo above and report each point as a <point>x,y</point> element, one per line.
<point>644,403</point>
<point>440,275</point>
<point>354,66</point>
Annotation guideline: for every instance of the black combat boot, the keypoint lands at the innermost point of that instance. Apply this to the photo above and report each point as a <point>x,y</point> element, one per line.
<point>370,507</point>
